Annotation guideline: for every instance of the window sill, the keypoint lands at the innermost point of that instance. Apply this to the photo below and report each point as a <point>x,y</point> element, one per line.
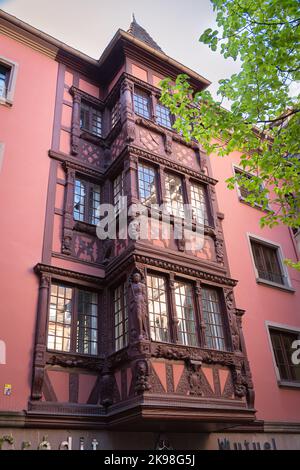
<point>85,227</point>
<point>287,384</point>
<point>6,102</point>
<point>275,285</point>
<point>95,139</point>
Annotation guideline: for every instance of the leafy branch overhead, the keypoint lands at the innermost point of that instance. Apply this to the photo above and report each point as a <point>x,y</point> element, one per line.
<point>264,120</point>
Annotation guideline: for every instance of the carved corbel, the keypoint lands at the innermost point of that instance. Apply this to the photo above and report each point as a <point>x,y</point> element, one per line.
<point>141,375</point>
<point>168,142</point>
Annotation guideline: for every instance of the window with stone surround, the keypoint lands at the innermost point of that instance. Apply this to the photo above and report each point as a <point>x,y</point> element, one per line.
<point>90,119</point>
<point>282,343</point>
<point>8,77</point>
<point>86,201</point>
<point>120,317</point>
<point>141,102</point>
<point>73,320</point>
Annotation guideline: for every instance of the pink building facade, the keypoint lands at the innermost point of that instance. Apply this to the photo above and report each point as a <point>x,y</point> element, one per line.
<point>152,339</point>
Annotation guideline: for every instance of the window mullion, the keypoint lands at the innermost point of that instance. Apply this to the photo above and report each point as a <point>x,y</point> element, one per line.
<point>172,308</point>
<point>74,320</point>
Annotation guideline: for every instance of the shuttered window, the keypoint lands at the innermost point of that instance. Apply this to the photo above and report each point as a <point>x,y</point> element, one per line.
<point>267,262</point>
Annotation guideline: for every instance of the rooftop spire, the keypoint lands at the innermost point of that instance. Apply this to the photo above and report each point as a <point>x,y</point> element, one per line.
<point>140,33</point>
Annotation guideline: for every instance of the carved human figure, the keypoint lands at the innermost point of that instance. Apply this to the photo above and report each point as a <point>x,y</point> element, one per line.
<point>139,304</point>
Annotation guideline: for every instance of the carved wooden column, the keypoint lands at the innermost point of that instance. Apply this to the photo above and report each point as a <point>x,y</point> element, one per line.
<point>130,179</point>
<point>153,107</point>
<point>172,307</point>
<point>68,212</point>
<point>40,344</point>
<point>234,330</point>
<point>161,184</point>
<point>127,114</point>
<point>199,311</point>
<point>75,127</point>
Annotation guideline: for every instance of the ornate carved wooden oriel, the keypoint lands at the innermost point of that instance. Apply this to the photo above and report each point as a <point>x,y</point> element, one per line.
<point>180,357</point>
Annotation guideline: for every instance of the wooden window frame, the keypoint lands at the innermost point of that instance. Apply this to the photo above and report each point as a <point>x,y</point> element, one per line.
<point>74,319</point>
<point>156,182</point>
<point>146,95</point>
<point>124,321</point>
<point>88,204</point>
<point>282,329</point>
<point>90,109</point>
<point>287,283</point>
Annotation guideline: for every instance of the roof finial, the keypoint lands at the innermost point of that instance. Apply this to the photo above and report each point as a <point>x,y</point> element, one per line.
<point>133,18</point>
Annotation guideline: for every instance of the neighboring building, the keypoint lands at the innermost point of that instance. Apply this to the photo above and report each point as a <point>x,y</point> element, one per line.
<point>131,343</point>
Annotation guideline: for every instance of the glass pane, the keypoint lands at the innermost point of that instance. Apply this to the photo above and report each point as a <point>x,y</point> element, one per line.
<point>187,331</point>
<point>157,308</point>
<point>214,329</point>
<point>79,199</point>
<point>60,317</point>
<point>94,203</point>
<point>163,116</point>
<point>115,114</point>
<point>87,322</point>
<point>174,197</point>
<point>147,184</point>
<point>120,317</point>
<point>141,104</point>
<point>198,201</point>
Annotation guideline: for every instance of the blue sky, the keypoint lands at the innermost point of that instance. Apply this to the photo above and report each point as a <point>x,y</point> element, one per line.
<point>90,24</point>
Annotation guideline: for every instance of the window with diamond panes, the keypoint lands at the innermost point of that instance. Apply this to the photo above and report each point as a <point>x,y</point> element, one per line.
<point>147,184</point>
<point>199,203</point>
<point>120,317</point>
<point>91,119</point>
<point>86,201</point>
<point>213,319</point>
<point>163,116</point>
<point>173,195</point>
<point>115,113</point>
<point>141,101</point>
<point>72,320</point>
<point>185,313</point>
<point>158,308</point>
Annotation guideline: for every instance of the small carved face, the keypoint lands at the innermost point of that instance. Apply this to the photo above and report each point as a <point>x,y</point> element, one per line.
<point>136,277</point>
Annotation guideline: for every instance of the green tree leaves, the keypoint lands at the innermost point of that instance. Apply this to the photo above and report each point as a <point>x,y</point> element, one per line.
<point>264,119</point>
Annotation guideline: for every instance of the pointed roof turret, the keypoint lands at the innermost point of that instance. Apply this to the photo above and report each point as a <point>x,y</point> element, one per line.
<point>140,33</point>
